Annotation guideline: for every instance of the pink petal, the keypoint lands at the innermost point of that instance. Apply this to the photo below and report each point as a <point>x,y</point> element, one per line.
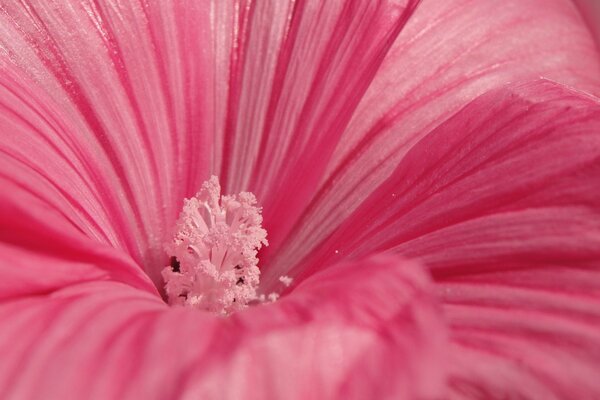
<point>449,53</point>
<point>300,70</point>
<point>137,103</point>
<point>104,135</point>
<point>337,335</point>
<point>53,203</point>
<point>501,203</point>
<point>531,332</point>
<point>106,111</point>
<point>590,11</point>
<point>524,153</point>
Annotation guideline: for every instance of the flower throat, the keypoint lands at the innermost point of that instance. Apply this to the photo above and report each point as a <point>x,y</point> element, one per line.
<point>213,251</point>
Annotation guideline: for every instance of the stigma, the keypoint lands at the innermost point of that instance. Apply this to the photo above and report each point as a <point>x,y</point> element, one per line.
<point>213,252</point>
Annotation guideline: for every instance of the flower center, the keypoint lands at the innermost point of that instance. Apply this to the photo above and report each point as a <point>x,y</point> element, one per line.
<point>213,252</point>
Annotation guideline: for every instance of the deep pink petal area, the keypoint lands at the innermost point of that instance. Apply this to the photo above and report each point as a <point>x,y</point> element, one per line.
<point>338,335</point>
<point>449,53</point>
<point>501,202</point>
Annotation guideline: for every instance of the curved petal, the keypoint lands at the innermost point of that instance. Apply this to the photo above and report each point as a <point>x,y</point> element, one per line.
<point>526,154</point>
<point>501,202</point>
<point>449,53</point>
<point>104,106</point>
<point>339,335</point>
<point>52,204</point>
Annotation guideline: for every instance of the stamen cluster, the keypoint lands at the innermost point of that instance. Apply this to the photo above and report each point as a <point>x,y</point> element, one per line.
<point>214,249</point>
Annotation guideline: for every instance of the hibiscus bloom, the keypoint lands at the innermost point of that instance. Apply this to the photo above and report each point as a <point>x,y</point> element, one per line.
<point>427,172</point>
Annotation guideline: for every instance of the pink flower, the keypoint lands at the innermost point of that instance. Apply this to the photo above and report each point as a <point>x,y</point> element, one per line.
<point>428,176</point>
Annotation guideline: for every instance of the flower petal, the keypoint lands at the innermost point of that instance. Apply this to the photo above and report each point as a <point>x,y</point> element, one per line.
<point>526,151</point>
<point>448,54</point>
<point>146,99</point>
<point>105,108</point>
<point>300,69</point>
<point>501,203</point>
<point>590,10</point>
<point>340,335</point>
<point>531,332</point>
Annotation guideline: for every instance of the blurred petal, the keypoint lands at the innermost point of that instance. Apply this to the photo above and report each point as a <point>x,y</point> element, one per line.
<point>449,53</point>
<point>590,10</point>
<point>501,202</point>
<point>337,335</point>
<point>531,332</point>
